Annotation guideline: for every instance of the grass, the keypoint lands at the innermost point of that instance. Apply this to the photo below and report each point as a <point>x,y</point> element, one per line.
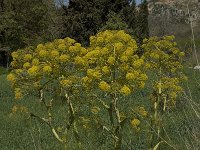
<point>16,132</point>
<point>182,125</point>
<point>3,70</point>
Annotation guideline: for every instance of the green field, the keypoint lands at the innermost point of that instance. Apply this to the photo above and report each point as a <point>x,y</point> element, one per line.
<point>18,132</point>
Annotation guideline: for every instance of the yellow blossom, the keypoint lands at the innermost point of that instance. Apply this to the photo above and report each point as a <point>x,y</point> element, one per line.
<point>124,67</point>
<point>97,75</point>
<point>83,51</point>
<point>54,54</point>
<point>111,60</point>
<point>79,60</point>
<point>142,111</point>
<point>105,70</point>
<point>62,47</point>
<point>43,53</point>
<point>61,41</point>
<point>18,93</point>
<point>129,51</point>
<point>125,90</point>
<point>143,77</point>
<point>14,55</point>
<point>141,85</point>
<point>27,57</point>
<point>93,74</point>
<point>100,39</point>
<point>64,58</point>
<point>118,46</point>
<point>65,82</point>
<point>86,79</point>
<point>154,55</point>
<point>11,77</point>
<point>181,54</point>
<point>73,49</point>
<point>138,63</point>
<point>78,45</point>
<point>35,62</point>
<point>33,70</point>
<point>123,58</point>
<point>90,72</point>
<point>104,86</point>
<point>135,122</point>
<point>40,46</point>
<point>47,69</point>
<point>18,71</point>
<point>130,76</point>
<point>104,51</point>
<point>70,40</point>
<point>26,65</point>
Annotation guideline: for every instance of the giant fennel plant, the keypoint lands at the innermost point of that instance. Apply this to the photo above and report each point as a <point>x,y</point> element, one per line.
<point>109,69</point>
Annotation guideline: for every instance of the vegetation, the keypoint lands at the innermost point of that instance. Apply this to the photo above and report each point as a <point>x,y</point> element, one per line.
<point>109,70</point>
<point>87,76</point>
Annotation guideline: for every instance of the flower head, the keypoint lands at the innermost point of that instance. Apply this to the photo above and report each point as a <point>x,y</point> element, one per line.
<point>135,122</point>
<point>47,69</point>
<point>125,90</point>
<point>11,77</point>
<point>33,70</point>
<point>104,86</point>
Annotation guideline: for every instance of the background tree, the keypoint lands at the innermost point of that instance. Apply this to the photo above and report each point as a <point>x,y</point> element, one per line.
<point>115,22</point>
<point>142,29</point>
<point>25,22</point>
<point>83,18</point>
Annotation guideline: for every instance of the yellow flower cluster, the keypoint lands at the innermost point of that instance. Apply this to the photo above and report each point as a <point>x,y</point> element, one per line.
<point>125,90</point>
<point>112,57</point>
<point>110,63</point>
<point>64,58</point>
<point>11,77</point>
<point>43,53</point>
<point>50,61</point>
<point>163,53</point>
<point>47,69</point>
<point>142,111</point>
<point>169,86</point>
<point>165,60</point>
<point>135,124</point>
<point>27,57</point>
<point>35,62</point>
<point>33,70</point>
<point>94,74</point>
<point>26,65</point>
<point>65,83</point>
<point>130,76</point>
<point>105,70</point>
<point>111,60</point>
<point>18,93</point>
<point>14,55</point>
<point>104,86</point>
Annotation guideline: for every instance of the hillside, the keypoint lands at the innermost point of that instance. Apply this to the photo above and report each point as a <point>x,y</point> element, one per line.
<point>173,17</point>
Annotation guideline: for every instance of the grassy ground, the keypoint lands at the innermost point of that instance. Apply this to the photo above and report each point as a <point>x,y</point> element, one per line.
<point>18,133</point>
